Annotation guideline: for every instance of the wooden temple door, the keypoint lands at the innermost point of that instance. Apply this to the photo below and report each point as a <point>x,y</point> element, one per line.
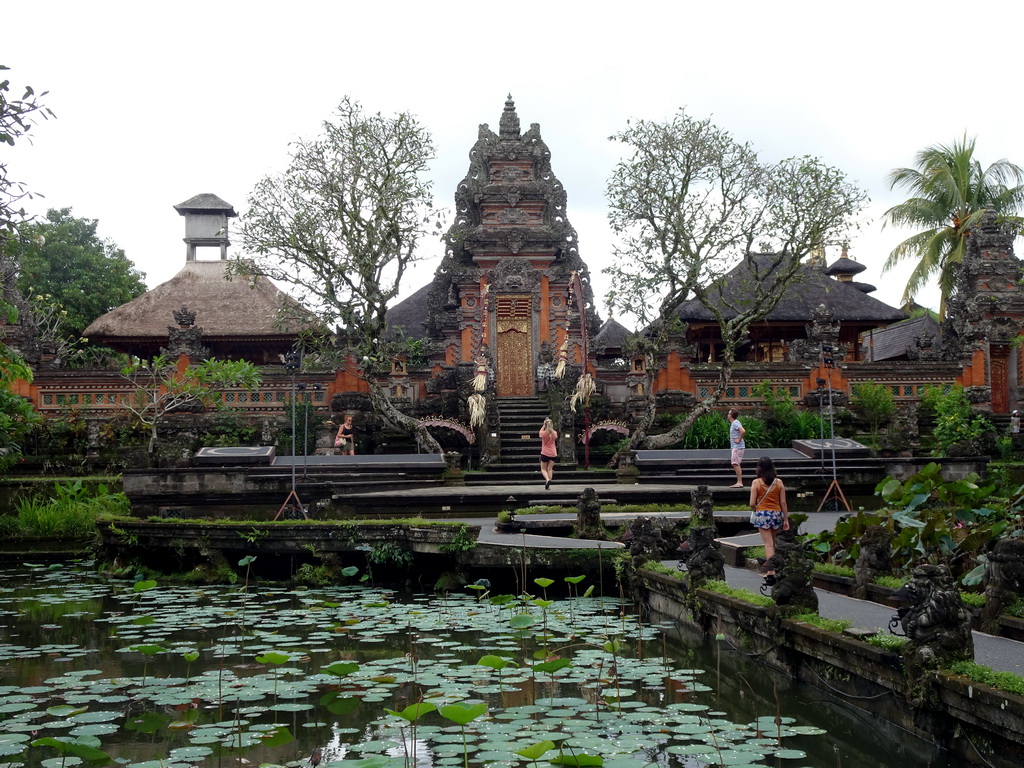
<point>514,350</point>
<point>999,376</point>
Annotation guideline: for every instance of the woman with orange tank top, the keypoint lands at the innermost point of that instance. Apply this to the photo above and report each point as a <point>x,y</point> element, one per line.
<point>770,511</point>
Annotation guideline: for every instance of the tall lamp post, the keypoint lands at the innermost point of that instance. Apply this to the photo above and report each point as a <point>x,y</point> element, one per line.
<point>292,363</point>
<point>834,494</point>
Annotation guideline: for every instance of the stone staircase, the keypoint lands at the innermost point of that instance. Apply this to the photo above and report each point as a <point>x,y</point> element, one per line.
<point>519,420</point>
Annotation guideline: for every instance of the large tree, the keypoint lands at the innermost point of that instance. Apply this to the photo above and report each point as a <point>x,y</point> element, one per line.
<point>950,192</point>
<point>341,225</point>
<point>62,257</point>
<point>17,116</point>
<point>160,387</point>
<point>688,203</point>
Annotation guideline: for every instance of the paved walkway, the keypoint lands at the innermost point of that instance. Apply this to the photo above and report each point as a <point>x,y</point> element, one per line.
<point>995,652</point>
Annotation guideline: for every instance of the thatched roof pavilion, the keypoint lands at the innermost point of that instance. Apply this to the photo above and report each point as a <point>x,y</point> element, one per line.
<point>240,317</point>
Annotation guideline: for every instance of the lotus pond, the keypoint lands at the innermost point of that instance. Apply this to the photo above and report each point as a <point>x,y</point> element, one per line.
<point>94,672</point>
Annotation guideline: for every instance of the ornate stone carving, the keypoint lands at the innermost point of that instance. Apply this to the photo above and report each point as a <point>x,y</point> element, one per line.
<point>936,621</point>
<point>705,561</point>
<point>514,276</point>
<point>588,515</point>
<point>823,328</point>
<point>184,317</point>
<point>701,552</point>
<point>1004,579</point>
<point>644,540</point>
<point>875,559</point>
<point>793,570</point>
<point>186,338</point>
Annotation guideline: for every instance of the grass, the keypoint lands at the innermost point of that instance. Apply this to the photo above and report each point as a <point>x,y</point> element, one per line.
<point>893,582</point>
<point>887,641</point>
<point>753,553</point>
<point>829,625</point>
<point>659,567</point>
<point>72,514</point>
<point>1004,681</point>
<point>740,594</point>
<point>834,570</point>
<point>973,599</point>
<point>1016,609</point>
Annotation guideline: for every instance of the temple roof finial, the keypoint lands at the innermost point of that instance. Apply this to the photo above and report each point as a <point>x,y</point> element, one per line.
<point>508,127</point>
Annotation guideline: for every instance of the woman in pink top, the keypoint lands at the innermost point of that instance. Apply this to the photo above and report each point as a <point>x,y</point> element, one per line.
<point>548,452</point>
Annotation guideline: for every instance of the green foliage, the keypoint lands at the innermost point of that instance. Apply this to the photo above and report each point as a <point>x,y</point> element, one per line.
<point>1004,446</point>
<point>1004,681</point>
<point>61,257</point>
<point>387,552</point>
<point>777,402</point>
<point>709,431</point>
<point>231,428</point>
<point>462,541</point>
<point>341,226</point>
<point>17,116</point>
<point>875,402</point>
<point>973,599</point>
<point>159,388</point>
<point>955,420</point>
<point>949,193</point>
<point>16,419</point>
<point>70,513</point>
<point>930,520</point>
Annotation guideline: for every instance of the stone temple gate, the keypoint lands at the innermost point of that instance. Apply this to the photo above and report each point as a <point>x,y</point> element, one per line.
<point>502,291</point>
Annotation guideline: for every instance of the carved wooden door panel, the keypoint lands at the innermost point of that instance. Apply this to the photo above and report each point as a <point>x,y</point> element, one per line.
<point>999,371</point>
<point>515,350</point>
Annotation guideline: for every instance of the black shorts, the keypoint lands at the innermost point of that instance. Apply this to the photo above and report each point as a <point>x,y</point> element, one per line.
<point>549,459</point>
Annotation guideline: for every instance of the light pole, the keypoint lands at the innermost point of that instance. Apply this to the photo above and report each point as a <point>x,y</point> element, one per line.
<point>292,363</point>
<point>834,494</point>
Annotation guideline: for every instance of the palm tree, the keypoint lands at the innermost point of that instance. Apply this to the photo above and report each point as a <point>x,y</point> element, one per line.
<point>950,192</point>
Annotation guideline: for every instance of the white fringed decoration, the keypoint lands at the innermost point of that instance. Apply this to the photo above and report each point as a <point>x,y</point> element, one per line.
<point>563,356</point>
<point>477,410</point>
<point>585,387</point>
<point>480,380</point>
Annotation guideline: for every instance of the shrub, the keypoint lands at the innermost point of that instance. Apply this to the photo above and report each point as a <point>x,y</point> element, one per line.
<point>955,421</point>
<point>709,431</point>
<point>71,514</point>
<point>876,404</point>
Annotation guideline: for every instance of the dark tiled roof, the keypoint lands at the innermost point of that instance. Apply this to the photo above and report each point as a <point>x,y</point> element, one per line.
<point>892,343</point>
<point>410,314</point>
<point>613,335</point>
<point>206,201</point>
<point>812,288</point>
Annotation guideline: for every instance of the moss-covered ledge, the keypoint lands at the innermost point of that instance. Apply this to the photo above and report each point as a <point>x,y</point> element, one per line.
<point>980,723</point>
<point>125,536</point>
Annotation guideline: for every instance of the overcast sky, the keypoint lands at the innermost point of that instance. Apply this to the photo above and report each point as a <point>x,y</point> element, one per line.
<point>157,102</point>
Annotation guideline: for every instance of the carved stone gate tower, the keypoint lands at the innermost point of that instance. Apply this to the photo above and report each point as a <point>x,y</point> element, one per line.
<point>502,290</point>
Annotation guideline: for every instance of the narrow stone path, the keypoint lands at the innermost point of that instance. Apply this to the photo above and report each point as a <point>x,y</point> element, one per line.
<point>996,652</point>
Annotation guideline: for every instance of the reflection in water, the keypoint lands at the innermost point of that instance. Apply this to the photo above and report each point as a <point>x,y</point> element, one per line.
<point>183,676</point>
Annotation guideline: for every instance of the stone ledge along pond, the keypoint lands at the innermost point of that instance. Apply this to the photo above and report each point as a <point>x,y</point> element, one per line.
<point>97,672</point>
